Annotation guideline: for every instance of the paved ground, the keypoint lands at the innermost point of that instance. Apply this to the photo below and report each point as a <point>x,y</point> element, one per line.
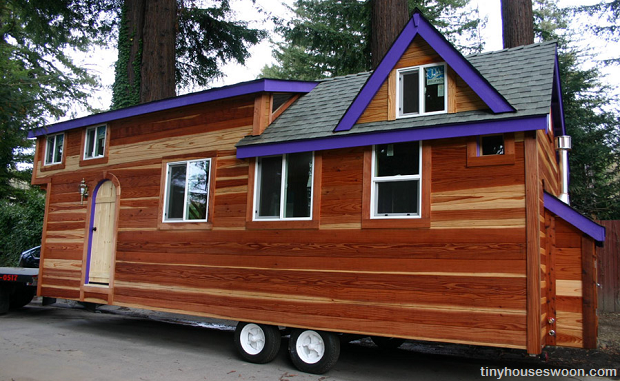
<point>64,342</point>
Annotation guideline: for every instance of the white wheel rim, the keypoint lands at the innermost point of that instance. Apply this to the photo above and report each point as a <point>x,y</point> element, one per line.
<point>310,347</point>
<point>252,339</point>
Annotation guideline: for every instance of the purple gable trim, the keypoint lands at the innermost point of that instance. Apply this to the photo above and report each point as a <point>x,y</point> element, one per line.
<point>557,105</point>
<point>419,25</point>
<point>393,136</point>
<point>570,215</point>
<point>244,88</point>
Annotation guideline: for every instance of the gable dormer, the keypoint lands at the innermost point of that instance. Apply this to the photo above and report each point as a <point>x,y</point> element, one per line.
<point>421,49</point>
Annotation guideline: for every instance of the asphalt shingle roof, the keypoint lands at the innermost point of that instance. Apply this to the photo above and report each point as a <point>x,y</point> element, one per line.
<point>523,75</point>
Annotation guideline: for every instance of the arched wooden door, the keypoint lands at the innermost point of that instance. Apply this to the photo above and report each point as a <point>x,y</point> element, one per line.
<point>102,235</point>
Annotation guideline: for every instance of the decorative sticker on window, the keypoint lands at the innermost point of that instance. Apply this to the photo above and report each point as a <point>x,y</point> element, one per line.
<point>434,75</point>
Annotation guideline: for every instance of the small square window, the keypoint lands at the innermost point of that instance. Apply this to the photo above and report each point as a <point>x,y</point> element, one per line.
<point>491,145</point>
<point>422,90</point>
<point>187,191</point>
<point>95,142</point>
<point>54,148</point>
<point>284,186</point>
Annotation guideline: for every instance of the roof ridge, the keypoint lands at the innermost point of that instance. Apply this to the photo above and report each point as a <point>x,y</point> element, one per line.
<point>522,47</point>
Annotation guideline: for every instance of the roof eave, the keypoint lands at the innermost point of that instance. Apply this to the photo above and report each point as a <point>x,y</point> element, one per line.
<point>573,217</point>
<point>244,88</point>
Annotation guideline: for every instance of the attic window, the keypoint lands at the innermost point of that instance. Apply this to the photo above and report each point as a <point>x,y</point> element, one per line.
<point>491,145</point>
<point>493,149</point>
<point>95,142</point>
<point>54,148</point>
<point>422,90</point>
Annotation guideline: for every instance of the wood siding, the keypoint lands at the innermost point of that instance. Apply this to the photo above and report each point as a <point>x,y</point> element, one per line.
<point>609,268</point>
<point>462,280</point>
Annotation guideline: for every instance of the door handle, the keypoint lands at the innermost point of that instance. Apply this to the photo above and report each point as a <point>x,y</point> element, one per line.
<point>94,229</point>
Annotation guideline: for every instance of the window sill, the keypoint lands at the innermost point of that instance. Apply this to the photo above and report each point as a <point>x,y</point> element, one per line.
<point>282,225</point>
<point>481,161</point>
<point>184,225</point>
<point>52,167</point>
<point>396,223</point>
<point>99,160</point>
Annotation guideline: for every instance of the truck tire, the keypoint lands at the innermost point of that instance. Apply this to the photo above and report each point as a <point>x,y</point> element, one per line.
<point>257,343</point>
<point>22,296</point>
<point>314,351</point>
<point>4,299</point>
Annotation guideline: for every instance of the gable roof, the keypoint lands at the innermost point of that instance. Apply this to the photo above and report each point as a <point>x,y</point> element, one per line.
<point>418,25</point>
<point>524,76</point>
<point>244,88</point>
<point>573,217</point>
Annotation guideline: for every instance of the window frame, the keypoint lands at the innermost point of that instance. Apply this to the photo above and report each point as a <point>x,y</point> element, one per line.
<point>256,191</point>
<point>47,148</point>
<point>476,159</point>
<point>421,94</point>
<point>105,142</point>
<point>376,180</point>
<point>166,189</point>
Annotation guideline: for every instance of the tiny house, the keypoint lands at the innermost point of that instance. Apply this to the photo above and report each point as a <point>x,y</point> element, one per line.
<point>426,200</point>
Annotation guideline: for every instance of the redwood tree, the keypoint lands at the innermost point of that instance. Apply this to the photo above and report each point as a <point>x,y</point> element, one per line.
<point>517,23</point>
<point>388,17</point>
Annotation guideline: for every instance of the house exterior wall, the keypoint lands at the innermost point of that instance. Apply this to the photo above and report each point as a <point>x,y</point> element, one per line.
<point>462,279</point>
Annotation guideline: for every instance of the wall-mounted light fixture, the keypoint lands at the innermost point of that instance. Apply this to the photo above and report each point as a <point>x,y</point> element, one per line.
<point>83,191</point>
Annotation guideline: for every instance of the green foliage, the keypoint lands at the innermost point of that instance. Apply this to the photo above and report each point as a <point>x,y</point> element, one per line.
<point>21,223</point>
<point>329,38</point>
<point>124,93</point>
<point>591,116</point>
<point>207,39</point>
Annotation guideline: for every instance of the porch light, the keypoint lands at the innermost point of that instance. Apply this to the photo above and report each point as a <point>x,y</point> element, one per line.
<point>83,191</point>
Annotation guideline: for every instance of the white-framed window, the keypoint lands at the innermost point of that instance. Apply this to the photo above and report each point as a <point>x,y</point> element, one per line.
<point>94,145</point>
<point>284,187</point>
<point>53,149</point>
<point>396,180</point>
<point>422,90</point>
<point>187,191</point>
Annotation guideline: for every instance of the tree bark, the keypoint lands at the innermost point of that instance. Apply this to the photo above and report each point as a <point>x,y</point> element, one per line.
<point>135,20</point>
<point>388,19</point>
<point>517,23</point>
<point>158,51</point>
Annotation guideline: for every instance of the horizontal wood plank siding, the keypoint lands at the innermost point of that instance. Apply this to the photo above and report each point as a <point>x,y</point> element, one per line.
<point>462,280</point>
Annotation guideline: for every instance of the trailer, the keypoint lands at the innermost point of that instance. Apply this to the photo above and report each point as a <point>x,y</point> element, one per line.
<point>426,200</point>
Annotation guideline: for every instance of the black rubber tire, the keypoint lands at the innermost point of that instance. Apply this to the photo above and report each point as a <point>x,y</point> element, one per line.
<point>5,293</point>
<point>387,343</point>
<point>330,356</point>
<point>273,340</point>
<point>22,296</point>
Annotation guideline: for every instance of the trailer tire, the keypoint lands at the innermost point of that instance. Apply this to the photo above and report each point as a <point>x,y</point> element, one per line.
<point>387,343</point>
<point>5,296</point>
<point>314,351</point>
<point>257,343</point>
<point>22,296</point>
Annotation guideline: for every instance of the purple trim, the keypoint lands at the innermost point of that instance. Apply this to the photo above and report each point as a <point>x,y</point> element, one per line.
<point>244,88</point>
<point>557,104</point>
<point>393,136</point>
<point>90,229</point>
<point>570,215</point>
<point>419,25</point>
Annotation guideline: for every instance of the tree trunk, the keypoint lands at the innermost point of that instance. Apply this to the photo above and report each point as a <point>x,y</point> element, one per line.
<point>158,51</point>
<point>388,19</point>
<point>517,23</point>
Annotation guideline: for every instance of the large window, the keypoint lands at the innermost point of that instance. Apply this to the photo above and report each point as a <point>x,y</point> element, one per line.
<point>284,187</point>
<point>422,90</point>
<point>54,148</point>
<point>95,142</point>
<point>396,180</point>
<point>187,191</point>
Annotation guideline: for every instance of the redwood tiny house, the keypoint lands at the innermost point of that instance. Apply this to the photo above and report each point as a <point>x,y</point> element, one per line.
<point>419,201</point>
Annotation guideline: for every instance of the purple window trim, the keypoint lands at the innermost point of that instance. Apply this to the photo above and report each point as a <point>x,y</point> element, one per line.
<point>419,25</point>
<point>93,210</point>
<point>244,88</point>
<point>394,136</point>
<point>570,215</point>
